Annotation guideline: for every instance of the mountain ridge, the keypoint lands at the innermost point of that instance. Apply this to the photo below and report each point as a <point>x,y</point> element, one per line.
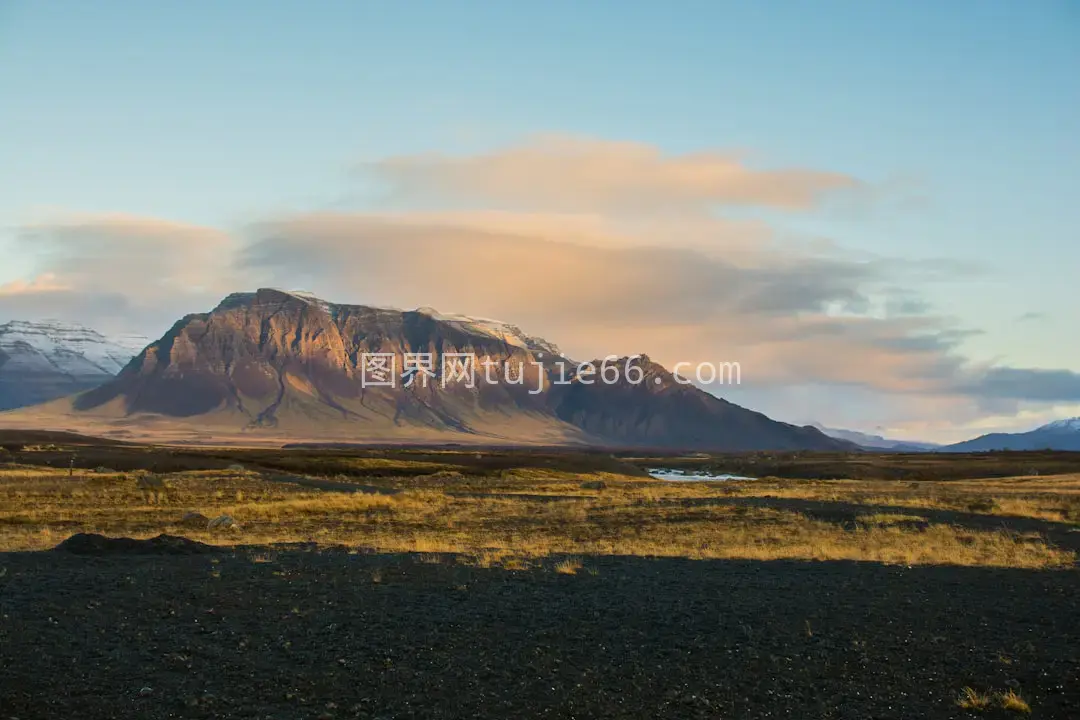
<point>44,360</point>
<point>1057,435</point>
<point>287,364</point>
<point>876,442</point>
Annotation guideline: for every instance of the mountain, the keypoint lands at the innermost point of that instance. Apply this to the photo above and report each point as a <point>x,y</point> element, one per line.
<point>1058,435</point>
<point>286,365</point>
<point>42,361</point>
<point>876,442</point>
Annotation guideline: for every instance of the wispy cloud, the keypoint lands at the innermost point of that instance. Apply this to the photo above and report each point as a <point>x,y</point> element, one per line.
<point>572,174</point>
<point>605,247</point>
<point>118,272</point>
<point>154,256</point>
<point>43,283</point>
<point>778,317</point>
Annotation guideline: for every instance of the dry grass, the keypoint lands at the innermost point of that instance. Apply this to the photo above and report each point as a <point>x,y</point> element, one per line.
<point>1014,703</point>
<point>971,699</point>
<point>569,566</point>
<point>1010,700</point>
<point>890,519</point>
<point>1055,498</point>
<point>38,509</point>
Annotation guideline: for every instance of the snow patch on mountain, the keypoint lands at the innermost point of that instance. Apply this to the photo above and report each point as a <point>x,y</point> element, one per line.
<point>1066,425</point>
<point>489,327</point>
<point>1058,435</point>
<point>508,333</point>
<point>68,349</point>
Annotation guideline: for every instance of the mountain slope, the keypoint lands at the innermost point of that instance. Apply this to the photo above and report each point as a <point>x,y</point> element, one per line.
<point>1058,435</point>
<point>876,442</point>
<point>288,365</point>
<point>661,412</point>
<point>41,361</point>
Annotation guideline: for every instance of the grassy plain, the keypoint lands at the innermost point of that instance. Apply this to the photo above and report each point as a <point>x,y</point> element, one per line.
<point>517,507</point>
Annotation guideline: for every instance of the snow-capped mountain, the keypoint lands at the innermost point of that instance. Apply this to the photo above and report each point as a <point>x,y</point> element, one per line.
<point>41,361</point>
<point>1067,425</point>
<point>1058,435</point>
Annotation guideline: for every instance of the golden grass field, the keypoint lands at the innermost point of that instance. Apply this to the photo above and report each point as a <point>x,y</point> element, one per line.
<point>521,515</point>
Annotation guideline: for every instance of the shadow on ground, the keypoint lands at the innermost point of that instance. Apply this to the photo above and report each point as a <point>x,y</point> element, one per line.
<point>294,632</point>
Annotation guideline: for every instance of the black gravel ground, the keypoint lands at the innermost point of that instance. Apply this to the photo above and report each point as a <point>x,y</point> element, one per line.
<point>298,633</point>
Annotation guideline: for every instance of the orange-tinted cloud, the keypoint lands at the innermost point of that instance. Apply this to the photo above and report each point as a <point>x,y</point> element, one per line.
<point>569,174</point>
<point>104,251</point>
<point>43,283</point>
<point>119,272</point>
<point>673,303</point>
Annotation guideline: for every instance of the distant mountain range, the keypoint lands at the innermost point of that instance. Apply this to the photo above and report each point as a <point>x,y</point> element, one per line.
<point>1058,435</point>
<point>276,365</point>
<point>42,361</point>
<point>876,442</point>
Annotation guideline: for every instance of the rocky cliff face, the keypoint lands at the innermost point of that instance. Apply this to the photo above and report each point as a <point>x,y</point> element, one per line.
<point>42,361</point>
<point>295,365</point>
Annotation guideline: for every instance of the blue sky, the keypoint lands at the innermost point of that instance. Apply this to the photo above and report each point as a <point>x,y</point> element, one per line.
<point>964,114</point>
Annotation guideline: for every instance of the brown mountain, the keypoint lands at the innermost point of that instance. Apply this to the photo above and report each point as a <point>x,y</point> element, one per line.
<point>279,365</point>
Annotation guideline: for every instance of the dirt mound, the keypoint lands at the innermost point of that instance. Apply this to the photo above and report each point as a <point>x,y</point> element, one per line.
<point>94,544</point>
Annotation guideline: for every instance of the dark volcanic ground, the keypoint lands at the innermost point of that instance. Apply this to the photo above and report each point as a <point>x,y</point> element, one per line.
<point>303,634</point>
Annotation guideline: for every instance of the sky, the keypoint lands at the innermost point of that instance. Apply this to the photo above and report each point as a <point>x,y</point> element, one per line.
<point>872,207</point>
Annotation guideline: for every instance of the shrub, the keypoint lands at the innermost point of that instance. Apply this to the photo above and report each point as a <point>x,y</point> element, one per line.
<point>982,505</point>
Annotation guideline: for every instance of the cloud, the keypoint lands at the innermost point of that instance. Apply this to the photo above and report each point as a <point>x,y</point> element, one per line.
<point>102,252</point>
<point>119,272</point>
<point>1029,384</point>
<point>41,284</point>
<point>570,174</point>
<point>442,260</point>
<point>106,312</point>
<point>604,248</point>
<point>674,303</point>
<point>778,318</point>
